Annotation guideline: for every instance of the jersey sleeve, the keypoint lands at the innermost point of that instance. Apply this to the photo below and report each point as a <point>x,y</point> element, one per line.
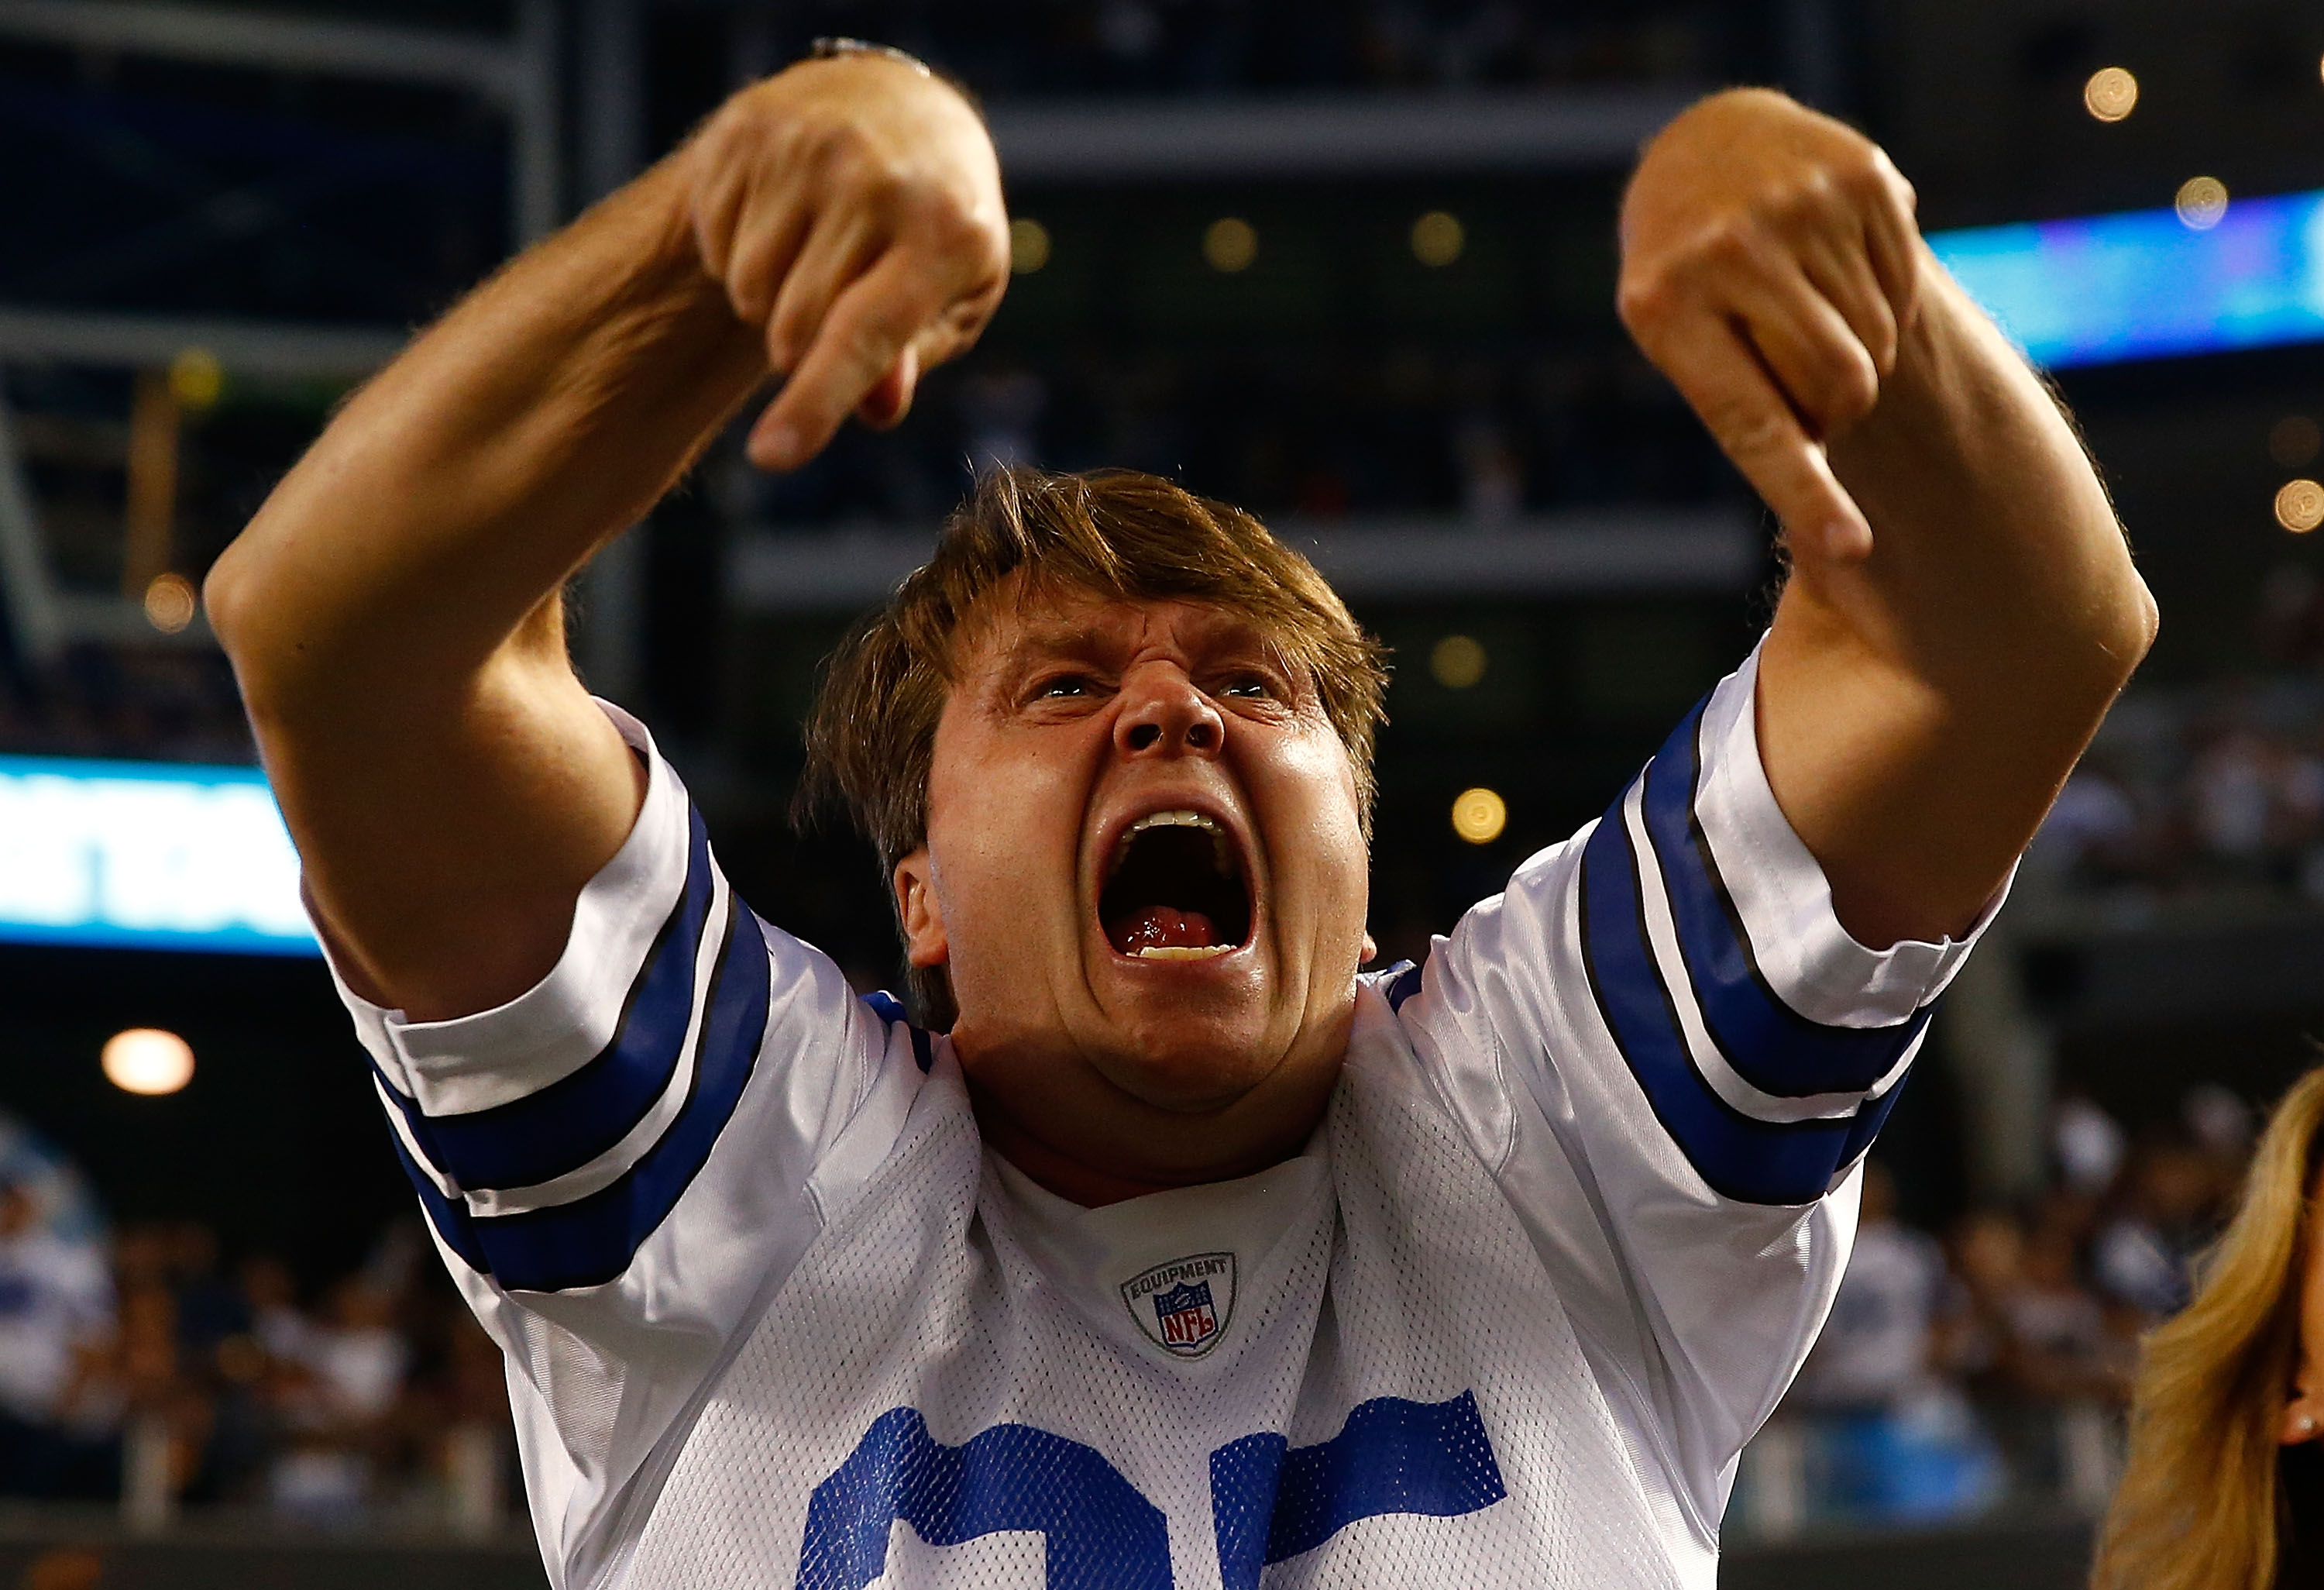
<point>622,1164</point>
<point>1673,1058</point>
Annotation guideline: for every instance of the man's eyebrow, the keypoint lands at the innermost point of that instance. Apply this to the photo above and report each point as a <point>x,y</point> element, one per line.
<point>1040,644</point>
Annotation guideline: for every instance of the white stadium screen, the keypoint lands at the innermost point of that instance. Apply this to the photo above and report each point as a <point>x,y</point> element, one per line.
<point>158,856</point>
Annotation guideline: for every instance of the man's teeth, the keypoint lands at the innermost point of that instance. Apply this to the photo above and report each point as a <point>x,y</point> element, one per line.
<point>1183,952</point>
<point>1181,820</point>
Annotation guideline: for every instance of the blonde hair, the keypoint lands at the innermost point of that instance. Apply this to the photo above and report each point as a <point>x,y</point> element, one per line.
<point>1117,533</point>
<point>2196,1509</point>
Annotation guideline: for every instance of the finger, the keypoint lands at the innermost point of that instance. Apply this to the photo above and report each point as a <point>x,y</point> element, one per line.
<point>838,251</point>
<point>1825,371</point>
<point>867,330</point>
<point>768,232</point>
<point>747,227</point>
<point>883,408</point>
<point>1843,272</point>
<point>1892,237</point>
<point>1720,375</point>
<point>714,205</point>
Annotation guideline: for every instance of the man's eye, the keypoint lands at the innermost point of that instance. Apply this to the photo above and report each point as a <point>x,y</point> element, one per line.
<point>1065,685</point>
<point>1251,688</point>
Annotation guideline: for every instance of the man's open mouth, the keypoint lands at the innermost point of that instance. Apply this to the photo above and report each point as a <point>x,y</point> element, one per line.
<point>1177,891</point>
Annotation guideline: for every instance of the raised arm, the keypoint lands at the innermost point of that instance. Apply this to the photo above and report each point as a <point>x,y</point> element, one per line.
<point>1962,607</point>
<point>394,613</point>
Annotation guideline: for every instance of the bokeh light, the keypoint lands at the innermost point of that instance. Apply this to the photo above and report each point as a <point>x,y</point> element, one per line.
<point>2294,439</point>
<point>1457,661</point>
<point>1437,238</point>
<point>1028,245</point>
<point>2111,94</point>
<point>1231,245</point>
<point>1479,815</point>
<point>147,1060</point>
<point>197,378</point>
<point>2201,202</point>
<point>170,603</point>
<point>2299,506</point>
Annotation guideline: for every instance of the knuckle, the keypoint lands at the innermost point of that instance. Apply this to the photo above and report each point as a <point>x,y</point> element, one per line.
<point>1747,429</point>
<point>1854,388</point>
<point>1729,242</point>
<point>1644,300</point>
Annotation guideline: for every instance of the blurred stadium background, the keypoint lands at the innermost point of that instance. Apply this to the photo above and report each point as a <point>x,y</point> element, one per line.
<point>1347,262</point>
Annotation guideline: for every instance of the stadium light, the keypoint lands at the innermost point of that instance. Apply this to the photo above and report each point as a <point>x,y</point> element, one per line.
<point>1438,239</point>
<point>2202,203</point>
<point>1028,245</point>
<point>2299,506</point>
<point>1458,661</point>
<point>147,1060</point>
<point>2111,94</point>
<point>1479,815</point>
<point>1231,245</point>
<point>2294,439</point>
<point>170,602</point>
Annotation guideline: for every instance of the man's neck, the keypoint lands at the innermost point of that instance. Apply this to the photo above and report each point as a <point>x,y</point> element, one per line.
<point>1076,1177</point>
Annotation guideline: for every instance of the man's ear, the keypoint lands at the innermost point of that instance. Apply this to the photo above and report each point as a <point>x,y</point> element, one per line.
<point>917,908</point>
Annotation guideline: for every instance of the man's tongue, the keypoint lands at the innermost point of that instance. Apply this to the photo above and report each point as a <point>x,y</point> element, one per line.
<point>1161,927</point>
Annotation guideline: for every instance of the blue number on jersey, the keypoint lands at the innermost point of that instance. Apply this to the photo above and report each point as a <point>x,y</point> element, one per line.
<point>1269,1500</point>
<point>1101,1534</point>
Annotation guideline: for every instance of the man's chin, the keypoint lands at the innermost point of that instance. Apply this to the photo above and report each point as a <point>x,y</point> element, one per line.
<point>1187,1074</point>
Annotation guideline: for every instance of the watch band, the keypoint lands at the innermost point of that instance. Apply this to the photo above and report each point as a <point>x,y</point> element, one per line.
<point>831,48</point>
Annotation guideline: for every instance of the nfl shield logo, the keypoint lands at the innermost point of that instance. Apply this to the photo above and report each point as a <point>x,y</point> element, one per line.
<point>1187,1318</point>
<point>1185,1305</point>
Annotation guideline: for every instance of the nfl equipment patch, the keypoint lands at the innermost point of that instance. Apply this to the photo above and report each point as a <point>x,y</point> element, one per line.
<point>1183,1306</point>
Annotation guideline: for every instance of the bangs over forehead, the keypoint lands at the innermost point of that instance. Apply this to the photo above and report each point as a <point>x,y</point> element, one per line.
<point>1024,534</point>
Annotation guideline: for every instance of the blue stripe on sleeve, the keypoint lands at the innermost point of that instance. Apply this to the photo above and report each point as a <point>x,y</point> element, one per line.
<point>572,1121</point>
<point>449,1216</point>
<point>1771,1046</point>
<point>1402,982</point>
<point>1748,1161</point>
<point>592,1239</point>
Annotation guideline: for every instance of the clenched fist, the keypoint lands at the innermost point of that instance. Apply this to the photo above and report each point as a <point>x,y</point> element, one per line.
<point>1770,264</point>
<point>852,209</point>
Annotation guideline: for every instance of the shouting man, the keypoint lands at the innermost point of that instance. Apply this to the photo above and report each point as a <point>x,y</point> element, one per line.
<point>1158,1246</point>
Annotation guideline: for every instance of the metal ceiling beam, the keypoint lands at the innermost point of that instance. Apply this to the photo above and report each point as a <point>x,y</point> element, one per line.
<point>275,39</point>
<point>279,348</point>
<point>517,73</point>
<point>1340,134</point>
<point>1366,559</point>
<point>46,617</point>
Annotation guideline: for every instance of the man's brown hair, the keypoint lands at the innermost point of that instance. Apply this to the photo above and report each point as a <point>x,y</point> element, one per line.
<point>1115,532</point>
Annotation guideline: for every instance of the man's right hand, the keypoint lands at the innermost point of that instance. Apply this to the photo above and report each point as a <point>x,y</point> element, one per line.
<point>851,209</point>
<point>393,611</point>
<point>853,212</point>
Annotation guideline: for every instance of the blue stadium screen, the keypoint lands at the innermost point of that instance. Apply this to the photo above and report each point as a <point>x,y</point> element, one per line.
<point>160,856</point>
<point>2145,284</point>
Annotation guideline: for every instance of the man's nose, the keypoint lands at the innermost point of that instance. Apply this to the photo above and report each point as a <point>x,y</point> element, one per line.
<point>1166,716</point>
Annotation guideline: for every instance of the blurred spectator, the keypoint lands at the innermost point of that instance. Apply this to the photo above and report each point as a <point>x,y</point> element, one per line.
<point>2092,832</point>
<point>1889,1436</point>
<point>2089,1144</point>
<point>2169,1209</point>
<point>1878,1348</point>
<point>54,1296</point>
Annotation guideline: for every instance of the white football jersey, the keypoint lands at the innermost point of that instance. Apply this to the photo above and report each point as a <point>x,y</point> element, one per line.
<point>775,1317</point>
